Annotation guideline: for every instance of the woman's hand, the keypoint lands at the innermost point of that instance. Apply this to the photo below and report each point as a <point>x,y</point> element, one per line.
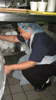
<point>7,69</point>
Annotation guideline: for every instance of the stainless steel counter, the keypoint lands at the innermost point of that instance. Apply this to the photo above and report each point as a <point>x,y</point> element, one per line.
<point>25,17</point>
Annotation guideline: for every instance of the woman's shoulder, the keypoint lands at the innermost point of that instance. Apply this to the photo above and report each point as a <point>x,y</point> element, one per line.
<point>38,37</point>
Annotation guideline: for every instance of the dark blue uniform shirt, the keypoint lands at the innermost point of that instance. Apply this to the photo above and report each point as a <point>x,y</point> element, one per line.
<point>42,46</point>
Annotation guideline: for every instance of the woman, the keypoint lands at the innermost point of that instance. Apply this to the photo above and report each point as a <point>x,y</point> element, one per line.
<point>41,63</point>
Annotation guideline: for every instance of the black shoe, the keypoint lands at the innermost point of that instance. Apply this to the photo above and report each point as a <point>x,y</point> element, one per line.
<point>44,86</point>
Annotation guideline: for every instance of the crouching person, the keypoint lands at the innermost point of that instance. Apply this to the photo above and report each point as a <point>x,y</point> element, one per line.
<point>41,53</point>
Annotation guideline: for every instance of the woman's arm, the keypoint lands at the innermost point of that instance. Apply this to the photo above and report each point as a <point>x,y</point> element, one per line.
<point>10,38</point>
<point>21,66</point>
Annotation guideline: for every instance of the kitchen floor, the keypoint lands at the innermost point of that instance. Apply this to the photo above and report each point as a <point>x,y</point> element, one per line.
<point>13,90</point>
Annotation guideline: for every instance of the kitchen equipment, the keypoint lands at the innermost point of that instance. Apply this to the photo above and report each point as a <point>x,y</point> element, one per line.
<point>2,76</point>
<point>5,3</point>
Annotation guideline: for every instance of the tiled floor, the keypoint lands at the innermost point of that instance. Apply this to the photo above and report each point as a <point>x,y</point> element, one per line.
<point>13,90</point>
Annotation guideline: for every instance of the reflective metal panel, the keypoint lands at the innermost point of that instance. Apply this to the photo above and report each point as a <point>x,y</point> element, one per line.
<point>5,3</point>
<point>2,3</point>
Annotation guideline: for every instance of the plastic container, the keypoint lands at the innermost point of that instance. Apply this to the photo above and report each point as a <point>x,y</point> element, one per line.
<point>33,5</point>
<point>42,4</point>
<point>2,76</point>
<point>51,5</point>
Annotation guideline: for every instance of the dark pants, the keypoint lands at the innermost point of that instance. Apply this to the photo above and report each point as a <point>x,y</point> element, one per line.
<point>38,75</point>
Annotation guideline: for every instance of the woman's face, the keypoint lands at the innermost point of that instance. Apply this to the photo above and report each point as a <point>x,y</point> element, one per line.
<point>24,34</point>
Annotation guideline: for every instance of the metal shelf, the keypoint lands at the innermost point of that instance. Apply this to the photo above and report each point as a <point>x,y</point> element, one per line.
<point>25,17</point>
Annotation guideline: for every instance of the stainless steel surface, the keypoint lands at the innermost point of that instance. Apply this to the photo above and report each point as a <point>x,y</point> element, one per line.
<point>13,3</point>
<point>2,3</point>
<point>15,17</point>
<point>8,3</point>
<point>25,17</point>
<point>5,3</point>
